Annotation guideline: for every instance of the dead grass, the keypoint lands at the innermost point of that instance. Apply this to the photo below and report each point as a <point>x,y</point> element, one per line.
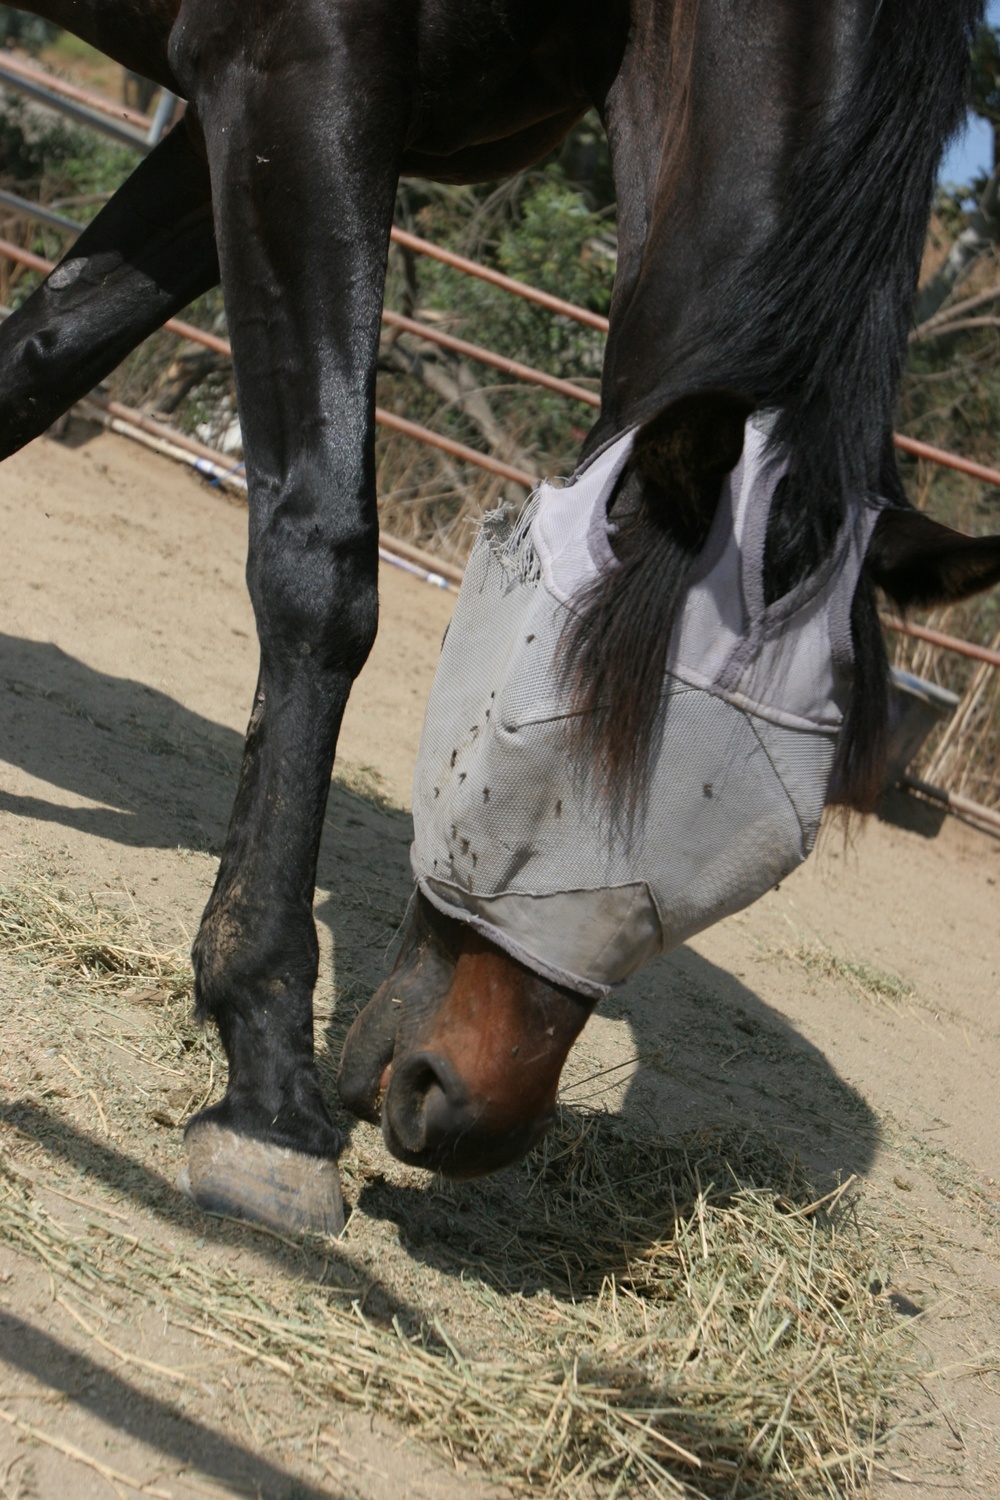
<point>98,950</point>
<point>432,500</point>
<point>955,1180</point>
<point>612,1318</point>
<point>364,781</point>
<point>864,979</point>
<point>70,935</point>
<point>743,1354</point>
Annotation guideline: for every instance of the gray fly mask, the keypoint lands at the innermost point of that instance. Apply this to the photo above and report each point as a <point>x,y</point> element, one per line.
<point>510,834</point>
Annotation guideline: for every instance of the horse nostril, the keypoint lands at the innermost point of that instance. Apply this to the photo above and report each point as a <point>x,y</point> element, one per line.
<point>426,1103</point>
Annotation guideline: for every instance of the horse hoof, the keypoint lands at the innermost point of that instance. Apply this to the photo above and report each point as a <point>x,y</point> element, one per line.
<point>244,1178</point>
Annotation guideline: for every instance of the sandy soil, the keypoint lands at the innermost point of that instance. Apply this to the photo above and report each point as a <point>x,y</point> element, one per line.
<point>852,1012</point>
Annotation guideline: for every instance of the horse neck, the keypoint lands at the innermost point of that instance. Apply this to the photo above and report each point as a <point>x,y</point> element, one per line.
<point>774,164</point>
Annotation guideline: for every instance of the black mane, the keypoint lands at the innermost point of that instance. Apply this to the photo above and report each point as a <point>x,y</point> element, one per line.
<point>810,322</point>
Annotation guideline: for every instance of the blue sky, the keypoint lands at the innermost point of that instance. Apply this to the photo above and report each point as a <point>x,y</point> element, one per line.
<point>971,151</point>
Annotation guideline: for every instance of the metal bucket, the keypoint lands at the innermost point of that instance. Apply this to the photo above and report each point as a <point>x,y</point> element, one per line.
<point>916,707</point>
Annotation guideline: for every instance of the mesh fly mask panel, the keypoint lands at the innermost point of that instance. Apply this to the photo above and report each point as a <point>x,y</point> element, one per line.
<point>510,834</point>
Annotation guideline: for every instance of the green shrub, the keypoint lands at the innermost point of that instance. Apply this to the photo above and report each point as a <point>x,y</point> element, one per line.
<point>18,28</point>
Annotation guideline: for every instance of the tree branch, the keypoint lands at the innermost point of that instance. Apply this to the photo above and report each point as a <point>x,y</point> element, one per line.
<point>957,309</point>
<point>945,330</point>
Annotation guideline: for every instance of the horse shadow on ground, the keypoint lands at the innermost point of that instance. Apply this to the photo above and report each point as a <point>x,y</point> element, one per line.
<point>117,1403</point>
<point>902,810</point>
<point>724,1076</point>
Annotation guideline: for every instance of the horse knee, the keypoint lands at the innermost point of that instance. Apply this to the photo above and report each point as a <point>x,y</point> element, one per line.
<point>313,580</point>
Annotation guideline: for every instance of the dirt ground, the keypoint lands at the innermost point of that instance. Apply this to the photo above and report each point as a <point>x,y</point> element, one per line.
<point>852,1014</point>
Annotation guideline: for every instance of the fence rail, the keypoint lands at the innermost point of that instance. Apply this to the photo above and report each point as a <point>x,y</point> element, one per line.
<point>195,335</point>
<point>21,73</point>
<point>53,93</point>
<point>945,642</point>
<point>60,95</point>
<point>408,241</point>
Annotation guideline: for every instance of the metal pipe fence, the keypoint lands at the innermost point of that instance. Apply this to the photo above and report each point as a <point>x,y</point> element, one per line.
<point>16,68</point>
<point>195,335</point>
<point>54,95</point>
<point>946,642</point>
<point>97,112</point>
<point>63,96</point>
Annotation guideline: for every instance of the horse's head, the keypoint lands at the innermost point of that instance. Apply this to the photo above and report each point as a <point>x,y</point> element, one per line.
<point>539,886</point>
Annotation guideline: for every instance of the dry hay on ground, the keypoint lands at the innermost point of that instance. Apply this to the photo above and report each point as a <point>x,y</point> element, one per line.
<point>612,1318</point>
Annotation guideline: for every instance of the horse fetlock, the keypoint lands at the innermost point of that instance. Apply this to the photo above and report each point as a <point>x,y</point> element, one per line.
<point>274,1095</point>
<point>264,1018</point>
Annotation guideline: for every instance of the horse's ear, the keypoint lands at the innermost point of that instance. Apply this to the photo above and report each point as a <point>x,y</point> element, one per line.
<point>920,563</point>
<point>685,452</point>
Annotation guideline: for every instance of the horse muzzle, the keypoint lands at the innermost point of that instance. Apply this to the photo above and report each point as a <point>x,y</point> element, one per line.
<point>431,1119</point>
<point>459,1052</point>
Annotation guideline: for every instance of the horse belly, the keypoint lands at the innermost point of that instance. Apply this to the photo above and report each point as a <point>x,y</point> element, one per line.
<point>491,76</point>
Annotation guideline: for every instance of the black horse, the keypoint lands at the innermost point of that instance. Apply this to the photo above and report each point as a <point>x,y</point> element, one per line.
<point>774,162</point>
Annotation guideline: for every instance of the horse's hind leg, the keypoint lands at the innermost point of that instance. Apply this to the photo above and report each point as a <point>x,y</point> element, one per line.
<point>145,255</point>
<point>304,146</point>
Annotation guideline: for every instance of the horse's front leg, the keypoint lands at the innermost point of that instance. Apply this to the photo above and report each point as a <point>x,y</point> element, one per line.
<point>304,123</point>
